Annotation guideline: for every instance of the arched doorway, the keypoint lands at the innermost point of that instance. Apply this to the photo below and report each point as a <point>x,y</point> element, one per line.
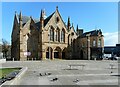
<point>81,54</point>
<point>57,53</point>
<point>49,53</point>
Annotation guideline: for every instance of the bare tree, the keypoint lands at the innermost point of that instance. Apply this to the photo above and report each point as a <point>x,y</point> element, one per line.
<point>5,47</point>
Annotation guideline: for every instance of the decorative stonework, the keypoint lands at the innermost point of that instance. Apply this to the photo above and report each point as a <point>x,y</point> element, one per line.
<point>51,38</point>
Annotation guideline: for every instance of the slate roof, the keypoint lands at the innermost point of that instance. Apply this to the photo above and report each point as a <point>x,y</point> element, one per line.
<point>25,19</point>
<point>36,20</point>
<point>47,19</point>
<point>38,24</point>
<point>92,33</point>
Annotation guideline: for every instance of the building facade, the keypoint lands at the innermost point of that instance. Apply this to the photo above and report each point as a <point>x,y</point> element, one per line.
<point>51,38</point>
<point>91,45</point>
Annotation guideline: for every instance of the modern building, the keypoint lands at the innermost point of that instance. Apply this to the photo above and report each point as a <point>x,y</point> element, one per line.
<point>112,50</point>
<point>50,38</point>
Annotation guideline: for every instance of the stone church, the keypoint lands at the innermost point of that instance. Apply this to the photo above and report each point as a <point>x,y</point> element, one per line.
<point>51,38</point>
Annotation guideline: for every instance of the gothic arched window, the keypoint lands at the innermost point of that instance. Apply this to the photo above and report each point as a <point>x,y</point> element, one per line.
<point>57,35</point>
<point>69,39</point>
<point>63,35</point>
<point>51,34</point>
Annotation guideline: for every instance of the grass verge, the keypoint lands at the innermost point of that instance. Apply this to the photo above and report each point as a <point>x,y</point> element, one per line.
<point>6,71</point>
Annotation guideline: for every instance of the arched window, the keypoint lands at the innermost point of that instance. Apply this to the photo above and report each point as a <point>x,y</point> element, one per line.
<point>69,39</point>
<point>99,43</point>
<point>57,35</point>
<point>94,42</point>
<point>57,19</point>
<point>51,34</point>
<point>62,35</point>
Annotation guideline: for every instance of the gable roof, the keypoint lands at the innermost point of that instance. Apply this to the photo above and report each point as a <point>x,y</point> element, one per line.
<point>47,19</point>
<point>25,19</point>
<point>61,19</point>
<point>92,33</point>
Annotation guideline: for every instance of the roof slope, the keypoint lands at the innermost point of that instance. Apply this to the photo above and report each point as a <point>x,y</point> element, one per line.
<point>47,19</point>
<point>92,33</point>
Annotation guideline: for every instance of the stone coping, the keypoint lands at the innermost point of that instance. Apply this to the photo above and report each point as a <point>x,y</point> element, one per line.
<point>2,60</point>
<point>15,81</point>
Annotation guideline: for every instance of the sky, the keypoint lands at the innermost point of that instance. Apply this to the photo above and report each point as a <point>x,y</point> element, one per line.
<point>88,15</point>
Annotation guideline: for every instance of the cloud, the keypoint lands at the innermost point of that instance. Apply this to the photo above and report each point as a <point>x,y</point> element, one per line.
<point>110,39</point>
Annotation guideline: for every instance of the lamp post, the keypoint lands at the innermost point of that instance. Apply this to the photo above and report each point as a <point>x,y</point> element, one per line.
<point>49,41</point>
<point>88,46</point>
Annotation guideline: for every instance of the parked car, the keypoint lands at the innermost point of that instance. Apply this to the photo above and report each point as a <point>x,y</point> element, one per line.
<point>118,58</point>
<point>105,57</point>
<point>112,58</point>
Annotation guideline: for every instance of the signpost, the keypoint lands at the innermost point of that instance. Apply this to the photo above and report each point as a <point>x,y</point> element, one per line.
<point>27,54</point>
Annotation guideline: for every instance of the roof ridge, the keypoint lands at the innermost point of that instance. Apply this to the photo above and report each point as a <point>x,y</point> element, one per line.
<point>90,31</point>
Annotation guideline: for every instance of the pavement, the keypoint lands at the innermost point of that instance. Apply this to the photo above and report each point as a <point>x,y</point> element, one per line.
<point>93,73</point>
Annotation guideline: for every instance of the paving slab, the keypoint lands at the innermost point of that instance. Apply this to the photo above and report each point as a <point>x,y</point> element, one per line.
<point>94,72</point>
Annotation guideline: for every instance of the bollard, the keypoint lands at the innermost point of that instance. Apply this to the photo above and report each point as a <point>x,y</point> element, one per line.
<point>95,59</point>
<point>13,58</point>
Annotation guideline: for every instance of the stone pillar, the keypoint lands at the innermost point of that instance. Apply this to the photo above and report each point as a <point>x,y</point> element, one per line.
<point>60,55</point>
<point>52,56</point>
<point>43,55</point>
<point>22,56</point>
<point>88,49</point>
<point>88,46</point>
<point>39,55</point>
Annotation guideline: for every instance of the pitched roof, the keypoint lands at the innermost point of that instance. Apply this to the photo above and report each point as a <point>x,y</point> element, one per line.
<point>47,19</point>
<point>38,24</point>
<point>25,19</point>
<point>36,20</point>
<point>92,33</point>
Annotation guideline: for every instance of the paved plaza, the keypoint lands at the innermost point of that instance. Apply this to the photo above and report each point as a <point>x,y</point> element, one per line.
<point>59,72</point>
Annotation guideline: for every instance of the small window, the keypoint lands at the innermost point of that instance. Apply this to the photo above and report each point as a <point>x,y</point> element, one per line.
<point>57,19</point>
<point>99,43</point>
<point>94,42</point>
<point>72,34</point>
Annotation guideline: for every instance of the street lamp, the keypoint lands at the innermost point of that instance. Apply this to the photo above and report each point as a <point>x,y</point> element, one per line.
<point>88,46</point>
<point>49,40</point>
